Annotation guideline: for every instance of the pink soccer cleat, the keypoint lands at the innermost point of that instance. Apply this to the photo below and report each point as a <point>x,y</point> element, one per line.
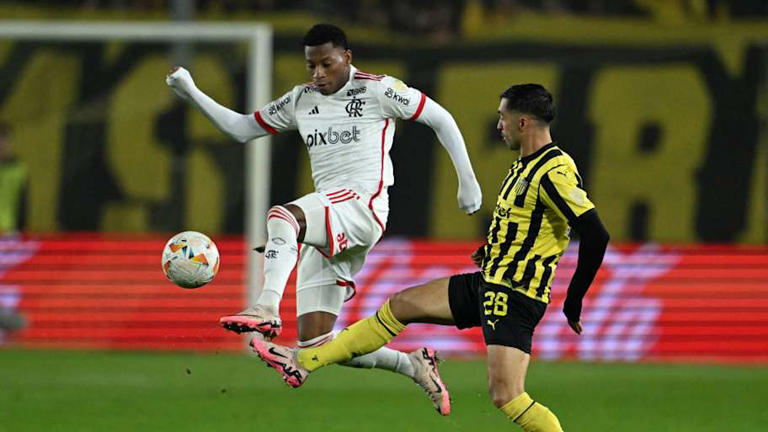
<point>425,362</point>
<point>282,359</point>
<point>254,319</point>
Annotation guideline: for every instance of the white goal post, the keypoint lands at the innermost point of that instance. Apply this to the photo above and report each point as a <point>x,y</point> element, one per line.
<point>257,37</point>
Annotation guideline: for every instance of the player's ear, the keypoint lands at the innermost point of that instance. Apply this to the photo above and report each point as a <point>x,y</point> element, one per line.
<point>527,121</point>
<point>348,56</point>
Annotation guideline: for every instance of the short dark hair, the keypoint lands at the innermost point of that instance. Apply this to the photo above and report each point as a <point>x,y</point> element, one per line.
<point>531,99</point>
<point>324,33</point>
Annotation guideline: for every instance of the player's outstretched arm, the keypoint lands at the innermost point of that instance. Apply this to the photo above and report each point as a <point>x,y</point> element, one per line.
<point>593,241</point>
<point>440,120</point>
<point>240,127</point>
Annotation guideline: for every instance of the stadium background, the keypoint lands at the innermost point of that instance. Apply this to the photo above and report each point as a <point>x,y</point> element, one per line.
<point>662,104</point>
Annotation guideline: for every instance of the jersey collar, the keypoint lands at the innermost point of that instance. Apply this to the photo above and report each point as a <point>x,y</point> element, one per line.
<point>537,153</point>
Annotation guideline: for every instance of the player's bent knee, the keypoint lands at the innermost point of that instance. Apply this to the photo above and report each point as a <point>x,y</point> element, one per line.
<point>283,210</point>
<point>296,211</point>
<point>502,392</point>
<point>403,306</point>
<point>398,300</point>
<point>291,214</point>
<point>499,398</point>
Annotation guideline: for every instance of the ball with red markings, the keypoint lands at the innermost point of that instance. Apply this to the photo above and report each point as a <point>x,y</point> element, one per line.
<point>190,259</point>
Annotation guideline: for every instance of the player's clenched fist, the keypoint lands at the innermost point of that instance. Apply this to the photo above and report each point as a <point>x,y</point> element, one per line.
<point>470,196</point>
<point>180,81</point>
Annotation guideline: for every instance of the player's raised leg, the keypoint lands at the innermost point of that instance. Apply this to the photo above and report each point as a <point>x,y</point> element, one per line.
<point>323,286</point>
<point>424,303</point>
<point>319,301</point>
<point>286,226</point>
<point>507,367</point>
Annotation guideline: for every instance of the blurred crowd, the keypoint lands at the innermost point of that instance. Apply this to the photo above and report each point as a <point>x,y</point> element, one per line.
<point>443,18</point>
<point>390,11</point>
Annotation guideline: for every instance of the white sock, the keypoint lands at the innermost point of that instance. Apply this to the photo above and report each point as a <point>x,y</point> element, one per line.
<point>280,255</point>
<point>384,358</point>
<point>317,340</point>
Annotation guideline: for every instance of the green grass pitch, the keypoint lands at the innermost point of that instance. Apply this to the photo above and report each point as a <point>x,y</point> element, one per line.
<point>122,391</point>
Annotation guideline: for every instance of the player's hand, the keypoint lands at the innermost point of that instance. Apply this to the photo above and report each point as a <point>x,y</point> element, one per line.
<point>575,326</point>
<point>478,256</point>
<point>470,196</point>
<point>572,312</point>
<point>180,81</point>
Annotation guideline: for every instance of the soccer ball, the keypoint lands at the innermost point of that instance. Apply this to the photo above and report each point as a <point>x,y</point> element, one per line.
<point>190,259</point>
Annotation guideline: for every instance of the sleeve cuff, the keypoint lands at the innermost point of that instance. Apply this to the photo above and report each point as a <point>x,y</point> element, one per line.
<point>420,108</point>
<point>263,124</point>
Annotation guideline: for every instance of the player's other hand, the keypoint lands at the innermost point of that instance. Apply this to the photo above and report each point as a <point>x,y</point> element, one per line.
<point>470,196</point>
<point>180,81</point>
<point>575,326</point>
<point>572,312</point>
<point>478,255</point>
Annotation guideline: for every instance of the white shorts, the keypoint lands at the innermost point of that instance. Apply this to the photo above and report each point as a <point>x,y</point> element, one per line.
<point>342,226</point>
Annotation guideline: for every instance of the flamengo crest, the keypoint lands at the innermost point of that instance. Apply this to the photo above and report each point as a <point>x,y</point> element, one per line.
<point>355,107</point>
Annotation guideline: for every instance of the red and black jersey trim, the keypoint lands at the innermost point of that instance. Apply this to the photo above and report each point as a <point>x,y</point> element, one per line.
<point>263,124</point>
<point>420,108</point>
<point>367,76</point>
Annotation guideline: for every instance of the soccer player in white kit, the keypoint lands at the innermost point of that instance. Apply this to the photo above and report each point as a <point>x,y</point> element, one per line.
<point>346,118</point>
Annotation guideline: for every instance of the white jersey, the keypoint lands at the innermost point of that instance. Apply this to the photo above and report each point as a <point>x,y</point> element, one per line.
<point>348,134</point>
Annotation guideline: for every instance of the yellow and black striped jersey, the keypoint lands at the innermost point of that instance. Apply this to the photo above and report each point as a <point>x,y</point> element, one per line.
<point>529,231</point>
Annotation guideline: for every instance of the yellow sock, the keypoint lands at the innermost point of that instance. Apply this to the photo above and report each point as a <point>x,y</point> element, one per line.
<point>531,415</point>
<point>360,338</point>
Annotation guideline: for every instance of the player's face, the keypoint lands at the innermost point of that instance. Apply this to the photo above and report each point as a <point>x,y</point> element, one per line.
<point>328,66</point>
<point>508,126</point>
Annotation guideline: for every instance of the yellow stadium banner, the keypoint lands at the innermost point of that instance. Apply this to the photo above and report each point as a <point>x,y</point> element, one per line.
<point>664,125</point>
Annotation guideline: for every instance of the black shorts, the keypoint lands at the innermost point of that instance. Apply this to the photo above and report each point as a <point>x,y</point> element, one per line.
<point>508,317</point>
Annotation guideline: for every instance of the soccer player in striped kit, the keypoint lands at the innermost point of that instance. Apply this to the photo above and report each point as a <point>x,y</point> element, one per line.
<point>346,118</point>
<point>541,199</point>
